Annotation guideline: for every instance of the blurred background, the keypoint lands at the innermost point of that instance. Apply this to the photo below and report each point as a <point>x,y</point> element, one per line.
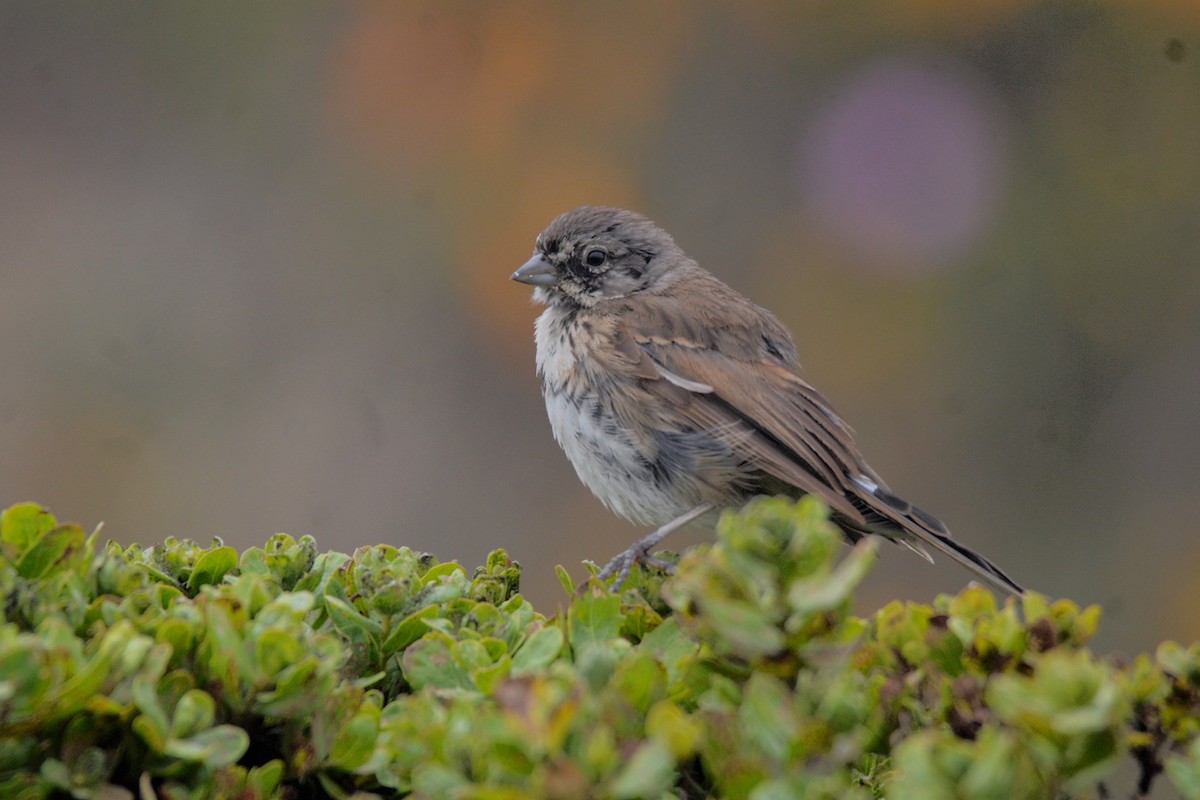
<point>254,264</point>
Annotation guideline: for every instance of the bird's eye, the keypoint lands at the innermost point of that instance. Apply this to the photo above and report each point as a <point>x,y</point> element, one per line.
<point>594,257</point>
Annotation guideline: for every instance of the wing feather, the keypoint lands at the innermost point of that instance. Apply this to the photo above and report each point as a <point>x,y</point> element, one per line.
<point>741,383</point>
<point>713,393</point>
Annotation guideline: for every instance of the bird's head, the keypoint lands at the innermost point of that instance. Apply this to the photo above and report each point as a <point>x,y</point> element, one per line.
<point>592,253</point>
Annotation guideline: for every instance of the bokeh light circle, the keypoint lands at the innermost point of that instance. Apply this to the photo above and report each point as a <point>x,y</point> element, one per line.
<point>905,164</point>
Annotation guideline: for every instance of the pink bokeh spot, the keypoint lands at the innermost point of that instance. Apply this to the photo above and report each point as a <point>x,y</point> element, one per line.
<point>905,165</point>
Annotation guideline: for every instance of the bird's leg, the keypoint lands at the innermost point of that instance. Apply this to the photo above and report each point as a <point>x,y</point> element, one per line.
<point>639,551</point>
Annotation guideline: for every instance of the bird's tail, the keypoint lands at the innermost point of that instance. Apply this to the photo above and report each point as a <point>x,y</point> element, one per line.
<point>900,521</point>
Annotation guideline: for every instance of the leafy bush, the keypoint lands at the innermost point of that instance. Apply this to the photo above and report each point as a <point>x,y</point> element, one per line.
<point>181,671</point>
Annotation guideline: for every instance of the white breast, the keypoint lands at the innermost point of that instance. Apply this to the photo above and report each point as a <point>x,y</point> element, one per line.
<point>555,356</point>
<point>601,450</point>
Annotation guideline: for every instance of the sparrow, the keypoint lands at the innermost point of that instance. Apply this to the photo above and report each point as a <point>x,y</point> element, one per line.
<point>673,396</point>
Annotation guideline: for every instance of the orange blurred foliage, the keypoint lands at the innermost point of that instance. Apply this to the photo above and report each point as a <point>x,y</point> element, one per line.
<point>402,77</point>
<point>562,180</point>
<point>419,81</point>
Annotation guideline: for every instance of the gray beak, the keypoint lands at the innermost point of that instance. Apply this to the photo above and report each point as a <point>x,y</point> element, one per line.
<point>537,271</point>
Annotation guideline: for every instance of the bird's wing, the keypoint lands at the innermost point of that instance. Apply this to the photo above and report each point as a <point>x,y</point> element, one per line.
<point>746,390</point>
<point>760,407</point>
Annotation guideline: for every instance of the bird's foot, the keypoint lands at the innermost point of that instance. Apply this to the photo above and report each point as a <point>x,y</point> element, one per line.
<point>639,552</point>
<point>622,563</point>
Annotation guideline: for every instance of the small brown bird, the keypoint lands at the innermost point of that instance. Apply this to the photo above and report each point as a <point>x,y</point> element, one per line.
<point>674,396</point>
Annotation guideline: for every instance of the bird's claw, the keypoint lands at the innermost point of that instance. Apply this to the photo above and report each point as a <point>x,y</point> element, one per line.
<point>622,564</point>
<point>639,551</point>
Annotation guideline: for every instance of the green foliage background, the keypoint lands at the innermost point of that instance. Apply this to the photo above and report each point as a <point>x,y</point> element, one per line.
<point>182,671</point>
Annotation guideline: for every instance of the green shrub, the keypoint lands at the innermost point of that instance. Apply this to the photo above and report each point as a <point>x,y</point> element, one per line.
<point>181,671</point>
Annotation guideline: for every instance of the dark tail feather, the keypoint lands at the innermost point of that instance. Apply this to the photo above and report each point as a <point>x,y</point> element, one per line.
<point>989,572</point>
<point>905,524</point>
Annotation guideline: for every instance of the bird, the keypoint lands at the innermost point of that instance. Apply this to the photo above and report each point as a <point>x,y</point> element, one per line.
<point>674,397</point>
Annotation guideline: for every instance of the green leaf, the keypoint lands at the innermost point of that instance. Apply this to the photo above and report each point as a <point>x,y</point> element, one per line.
<point>49,550</point>
<point>487,678</point>
<point>430,662</point>
<point>999,769</point>
<point>929,765</point>
<point>470,654</point>
<point>640,681</point>
<point>672,648</point>
<point>23,524</point>
<point>194,712</point>
<point>498,561</point>
<point>70,695</point>
<point>212,567</point>
<point>181,635</point>
<point>597,662</point>
<point>639,619</point>
<point>538,651</point>
<point>264,781</point>
<point>825,592</point>
<point>215,748</point>
<point>275,650</point>
<point>254,562</point>
<point>768,717</point>
<point>354,743</point>
<point>593,618</point>
<point>491,792</point>
<point>445,570</point>
<point>668,642</point>
<point>650,772</point>
<point>741,628</point>
<point>565,579</point>
<point>681,733</point>
<point>298,689</point>
<point>354,626</point>
<point>432,779</point>
<point>1184,772</point>
<point>408,630</point>
<point>153,725</point>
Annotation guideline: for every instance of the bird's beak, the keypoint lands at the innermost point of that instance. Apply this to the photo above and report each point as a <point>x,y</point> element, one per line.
<point>537,271</point>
